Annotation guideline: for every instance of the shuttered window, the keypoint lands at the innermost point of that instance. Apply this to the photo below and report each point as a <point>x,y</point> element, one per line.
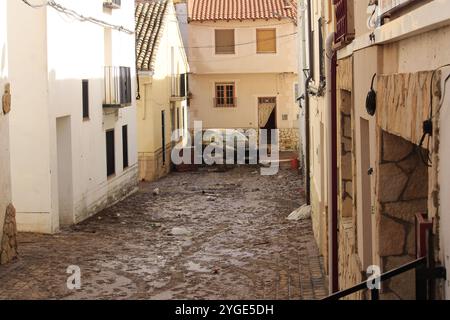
<point>85,95</point>
<point>125,146</point>
<point>225,41</point>
<point>110,153</point>
<point>266,41</point>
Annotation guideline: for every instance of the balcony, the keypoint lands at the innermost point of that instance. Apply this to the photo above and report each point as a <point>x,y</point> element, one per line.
<point>227,102</point>
<point>179,87</point>
<point>117,87</point>
<point>390,8</point>
<point>345,25</point>
<point>112,4</point>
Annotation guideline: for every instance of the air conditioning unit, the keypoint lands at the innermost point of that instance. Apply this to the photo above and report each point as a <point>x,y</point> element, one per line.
<point>112,4</point>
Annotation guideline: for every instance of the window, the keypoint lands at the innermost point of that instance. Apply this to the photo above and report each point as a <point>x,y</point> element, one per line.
<point>345,27</point>
<point>225,95</point>
<point>125,146</point>
<point>183,85</point>
<point>85,94</point>
<point>296,92</point>
<point>163,133</point>
<point>321,50</point>
<point>117,84</point>
<point>224,41</point>
<point>110,153</point>
<point>266,41</point>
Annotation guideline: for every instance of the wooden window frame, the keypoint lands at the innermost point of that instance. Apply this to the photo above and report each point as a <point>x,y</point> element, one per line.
<point>216,46</point>
<point>223,102</point>
<point>258,50</point>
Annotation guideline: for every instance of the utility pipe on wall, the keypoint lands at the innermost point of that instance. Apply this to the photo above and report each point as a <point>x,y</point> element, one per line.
<point>332,165</point>
<point>302,46</point>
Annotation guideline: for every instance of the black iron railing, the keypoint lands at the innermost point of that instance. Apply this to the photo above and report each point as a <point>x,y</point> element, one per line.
<point>426,272</point>
<point>421,282</point>
<point>117,87</point>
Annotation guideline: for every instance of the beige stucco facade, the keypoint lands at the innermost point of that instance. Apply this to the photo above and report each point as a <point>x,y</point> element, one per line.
<point>382,182</point>
<point>254,76</point>
<point>58,159</point>
<point>159,94</point>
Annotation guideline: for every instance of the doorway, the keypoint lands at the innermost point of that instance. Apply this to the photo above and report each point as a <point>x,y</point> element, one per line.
<point>267,117</point>
<point>64,162</point>
<point>366,192</point>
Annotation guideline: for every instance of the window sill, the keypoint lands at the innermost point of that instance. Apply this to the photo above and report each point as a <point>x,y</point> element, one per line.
<point>85,119</point>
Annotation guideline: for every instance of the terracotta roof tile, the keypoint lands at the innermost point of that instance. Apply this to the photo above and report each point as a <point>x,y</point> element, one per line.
<point>149,25</point>
<point>207,10</point>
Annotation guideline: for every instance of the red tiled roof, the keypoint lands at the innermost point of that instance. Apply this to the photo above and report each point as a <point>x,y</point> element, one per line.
<point>207,10</point>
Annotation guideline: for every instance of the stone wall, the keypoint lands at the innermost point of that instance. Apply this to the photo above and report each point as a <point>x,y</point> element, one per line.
<point>349,262</point>
<point>402,193</point>
<point>403,102</point>
<point>289,139</point>
<point>8,245</point>
<point>152,166</point>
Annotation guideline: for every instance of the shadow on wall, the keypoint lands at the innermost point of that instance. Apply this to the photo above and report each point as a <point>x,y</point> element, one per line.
<point>403,192</point>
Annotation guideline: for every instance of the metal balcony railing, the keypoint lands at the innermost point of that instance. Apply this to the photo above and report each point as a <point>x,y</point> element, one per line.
<point>179,86</point>
<point>117,86</point>
<point>426,272</point>
<point>389,7</point>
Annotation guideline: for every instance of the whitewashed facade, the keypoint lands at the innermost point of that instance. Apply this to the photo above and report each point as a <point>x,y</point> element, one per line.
<point>58,148</point>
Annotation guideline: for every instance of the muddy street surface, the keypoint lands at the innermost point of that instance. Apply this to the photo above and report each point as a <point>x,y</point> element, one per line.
<point>204,235</point>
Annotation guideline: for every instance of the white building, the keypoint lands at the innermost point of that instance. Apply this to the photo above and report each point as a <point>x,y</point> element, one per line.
<point>73,118</point>
<point>244,66</point>
<point>7,223</point>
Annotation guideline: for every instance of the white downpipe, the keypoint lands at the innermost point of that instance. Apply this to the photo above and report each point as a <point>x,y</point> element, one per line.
<point>329,52</point>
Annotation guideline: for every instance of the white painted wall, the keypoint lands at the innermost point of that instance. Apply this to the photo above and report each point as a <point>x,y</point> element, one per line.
<point>182,16</point>
<point>54,55</point>
<point>5,171</point>
<point>29,119</point>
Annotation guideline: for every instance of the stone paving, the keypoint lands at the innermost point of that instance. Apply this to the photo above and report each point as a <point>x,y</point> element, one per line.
<point>231,241</point>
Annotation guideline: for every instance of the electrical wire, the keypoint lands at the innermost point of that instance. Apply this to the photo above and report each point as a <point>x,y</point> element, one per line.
<point>240,44</point>
<point>77,16</point>
<point>233,57</point>
<point>429,123</point>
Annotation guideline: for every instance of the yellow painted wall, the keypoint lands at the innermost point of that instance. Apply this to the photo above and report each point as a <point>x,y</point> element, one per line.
<point>155,91</point>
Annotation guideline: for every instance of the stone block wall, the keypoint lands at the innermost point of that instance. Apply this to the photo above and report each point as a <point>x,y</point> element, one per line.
<point>402,193</point>
<point>152,166</point>
<point>289,139</point>
<point>8,245</point>
<point>349,262</point>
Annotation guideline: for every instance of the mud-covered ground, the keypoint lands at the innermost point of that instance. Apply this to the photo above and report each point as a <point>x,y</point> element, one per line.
<point>206,235</point>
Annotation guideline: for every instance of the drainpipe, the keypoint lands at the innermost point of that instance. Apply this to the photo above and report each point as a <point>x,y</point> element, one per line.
<point>332,165</point>
<point>301,25</point>
<point>307,108</point>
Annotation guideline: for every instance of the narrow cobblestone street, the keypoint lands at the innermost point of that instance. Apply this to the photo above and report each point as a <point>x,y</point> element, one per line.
<point>231,241</point>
